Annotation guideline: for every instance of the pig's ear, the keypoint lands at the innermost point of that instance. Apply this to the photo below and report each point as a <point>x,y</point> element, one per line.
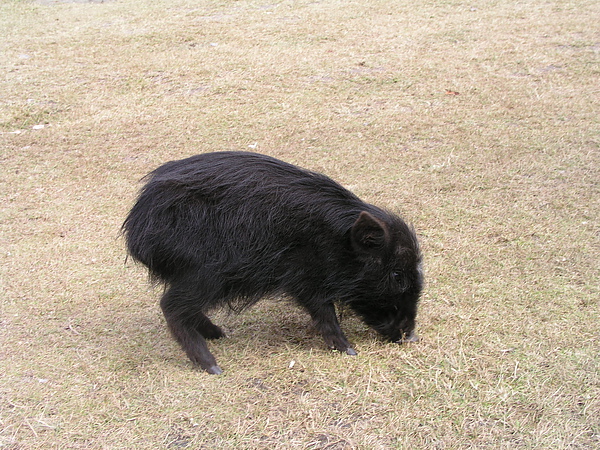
<point>369,235</point>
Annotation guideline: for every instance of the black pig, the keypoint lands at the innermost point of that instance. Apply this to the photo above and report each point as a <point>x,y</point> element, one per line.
<point>228,228</point>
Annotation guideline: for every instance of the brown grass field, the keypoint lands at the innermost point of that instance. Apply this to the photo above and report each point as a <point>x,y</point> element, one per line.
<point>478,121</point>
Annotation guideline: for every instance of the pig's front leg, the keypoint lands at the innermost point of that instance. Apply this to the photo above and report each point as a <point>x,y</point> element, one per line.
<point>326,322</point>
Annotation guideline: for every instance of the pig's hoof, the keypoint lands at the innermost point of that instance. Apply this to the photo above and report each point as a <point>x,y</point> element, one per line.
<point>409,339</point>
<point>215,370</point>
<point>351,352</point>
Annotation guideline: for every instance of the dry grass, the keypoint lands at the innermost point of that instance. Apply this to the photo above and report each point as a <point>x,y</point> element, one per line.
<point>501,181</point>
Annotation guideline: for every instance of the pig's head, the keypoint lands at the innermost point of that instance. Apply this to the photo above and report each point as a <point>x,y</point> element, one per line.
<point>390,279</point>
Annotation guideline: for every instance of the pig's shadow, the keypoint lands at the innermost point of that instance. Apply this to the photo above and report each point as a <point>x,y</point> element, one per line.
<point>273,324</point>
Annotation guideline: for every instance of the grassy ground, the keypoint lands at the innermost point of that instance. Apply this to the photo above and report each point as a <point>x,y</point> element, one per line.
<point>477,121</point>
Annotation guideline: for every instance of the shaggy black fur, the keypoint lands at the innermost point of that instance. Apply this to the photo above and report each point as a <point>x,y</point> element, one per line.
<point>231,227</point>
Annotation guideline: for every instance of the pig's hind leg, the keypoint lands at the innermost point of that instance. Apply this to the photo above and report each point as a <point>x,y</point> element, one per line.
<point>190,326</point>
<point>206,328</point>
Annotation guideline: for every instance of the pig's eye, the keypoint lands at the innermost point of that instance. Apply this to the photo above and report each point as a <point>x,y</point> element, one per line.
<point>400,280</point>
